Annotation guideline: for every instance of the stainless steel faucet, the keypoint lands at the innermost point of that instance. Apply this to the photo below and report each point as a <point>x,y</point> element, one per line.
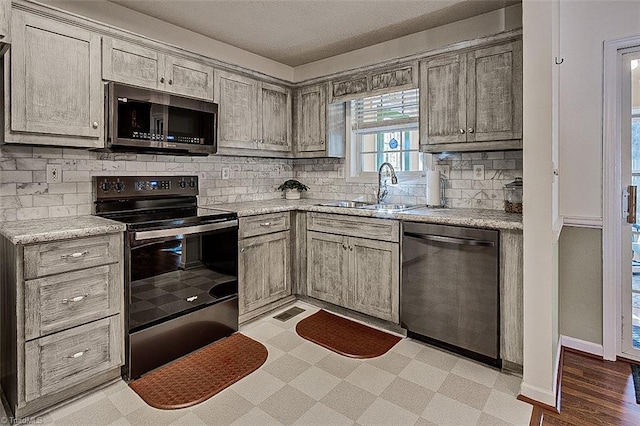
<point>382,193</point>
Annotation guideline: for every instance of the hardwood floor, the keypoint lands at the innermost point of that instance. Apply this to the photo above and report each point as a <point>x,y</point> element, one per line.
<point>593,392</point>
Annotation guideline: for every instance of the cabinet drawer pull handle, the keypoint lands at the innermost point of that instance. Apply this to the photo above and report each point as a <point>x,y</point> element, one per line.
<point>265,224</point>
<point>191,298</point>
<point>462,131</point>
<point>470,130</point>
<point>242,250</point>
<point>74,255</point>
<point>75,299</point>
<point>351,248</point>
<point>344,246</point>
<point>78,354</point>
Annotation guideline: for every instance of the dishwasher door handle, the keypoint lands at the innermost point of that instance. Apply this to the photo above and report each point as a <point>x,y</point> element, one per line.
<point>451,240</point>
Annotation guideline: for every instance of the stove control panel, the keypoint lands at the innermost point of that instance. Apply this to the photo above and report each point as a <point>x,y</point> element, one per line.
<point>106,187</point>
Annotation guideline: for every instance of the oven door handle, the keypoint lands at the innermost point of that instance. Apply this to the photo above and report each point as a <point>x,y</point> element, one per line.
<point>186,230</point>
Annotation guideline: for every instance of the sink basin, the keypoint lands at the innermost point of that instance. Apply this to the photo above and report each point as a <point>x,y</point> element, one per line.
<point>388,207</point>
<point>347,204</point>
<point>368,206</point>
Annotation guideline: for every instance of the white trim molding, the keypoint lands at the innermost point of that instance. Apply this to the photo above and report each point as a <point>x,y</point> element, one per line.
<point>612,191</point>
<point>582,345</point>
<point>582,222</point>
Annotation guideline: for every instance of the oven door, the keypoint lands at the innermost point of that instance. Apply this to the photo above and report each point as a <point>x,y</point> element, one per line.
<point>172,272</point>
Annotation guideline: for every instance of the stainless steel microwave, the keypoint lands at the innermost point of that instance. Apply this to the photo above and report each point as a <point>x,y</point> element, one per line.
<point>151,121</point>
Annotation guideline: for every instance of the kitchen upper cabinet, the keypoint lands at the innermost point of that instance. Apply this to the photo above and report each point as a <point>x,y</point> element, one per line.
<point>5,23</point>
<point>274,128</point>
<point>55,92</point>
<point>254,116</point>
<point>319,127</point>
<point>133,64</point>
<point>361,274</point>
<point>472,101</point>
<point>264,263</point>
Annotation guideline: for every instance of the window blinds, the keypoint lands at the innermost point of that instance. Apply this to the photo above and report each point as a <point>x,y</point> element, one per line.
<point>388,110</point>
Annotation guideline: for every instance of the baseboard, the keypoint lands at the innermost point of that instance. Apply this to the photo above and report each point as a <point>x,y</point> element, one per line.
<point>582,346</point>
<point>538,396</point>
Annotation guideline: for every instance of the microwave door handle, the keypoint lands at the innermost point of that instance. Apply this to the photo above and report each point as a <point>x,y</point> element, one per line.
<point>186,230</point>
<point>451,240</point>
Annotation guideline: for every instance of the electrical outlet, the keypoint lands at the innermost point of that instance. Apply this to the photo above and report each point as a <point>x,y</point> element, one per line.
<point>478,172</point>
<point>225,173</point>
<point>341,172</point>
<point>444,170</point>
<point>54,173</point>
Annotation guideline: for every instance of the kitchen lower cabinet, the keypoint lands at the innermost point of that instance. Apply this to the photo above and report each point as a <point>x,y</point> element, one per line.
<point>61,325</point>
<point>53,90</point>
<point>264,264</point>
<point>361,274</point>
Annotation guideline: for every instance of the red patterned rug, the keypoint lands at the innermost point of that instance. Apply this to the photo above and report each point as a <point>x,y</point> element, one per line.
<point>201,374</point>
<point>346,337</point>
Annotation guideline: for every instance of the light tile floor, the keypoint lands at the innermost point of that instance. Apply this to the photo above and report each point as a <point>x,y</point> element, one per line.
<point>304,384</point>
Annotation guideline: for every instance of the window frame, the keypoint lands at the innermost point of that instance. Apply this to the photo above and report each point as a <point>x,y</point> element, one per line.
<point>353,172</point>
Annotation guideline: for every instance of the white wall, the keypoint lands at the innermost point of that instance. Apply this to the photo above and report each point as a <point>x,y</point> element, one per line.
<point>540,245</point>
<point>584,26</point>
<point>489,23</point>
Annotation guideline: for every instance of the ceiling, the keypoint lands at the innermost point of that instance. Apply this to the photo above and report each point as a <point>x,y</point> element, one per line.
<point>296,32</point>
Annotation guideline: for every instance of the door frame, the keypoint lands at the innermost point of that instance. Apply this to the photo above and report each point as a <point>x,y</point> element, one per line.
<point>612,205</point>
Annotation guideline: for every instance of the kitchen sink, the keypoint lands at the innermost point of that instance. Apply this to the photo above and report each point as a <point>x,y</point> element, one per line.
<point>388,207</point>
<point>347,204</point>
<point>368,206</point>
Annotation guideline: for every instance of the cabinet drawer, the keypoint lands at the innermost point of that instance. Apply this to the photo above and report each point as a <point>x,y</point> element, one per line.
<point>70,255</point>
<point>66,300</point>
<point>354,226</point>
<point>251,226</point>
<point>61,360</point>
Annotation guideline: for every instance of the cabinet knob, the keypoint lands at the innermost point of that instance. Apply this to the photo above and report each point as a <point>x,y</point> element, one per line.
<point>161,79</point>
<point>470,130</point>
<point>462,131</point>
<point>242,250</point>
<point>94,124</point>
<point>350,248</point>
<point>170,82</point>
<point>344,246</point>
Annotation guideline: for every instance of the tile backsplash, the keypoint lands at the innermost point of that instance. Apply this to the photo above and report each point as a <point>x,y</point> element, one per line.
<point>24,193</point>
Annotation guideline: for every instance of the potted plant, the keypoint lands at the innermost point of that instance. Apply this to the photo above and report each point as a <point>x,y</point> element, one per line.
<point>292,189</point>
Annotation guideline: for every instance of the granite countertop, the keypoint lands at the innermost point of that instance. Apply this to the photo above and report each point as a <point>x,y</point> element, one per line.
<point>481,218</point>
<point>43,230</point>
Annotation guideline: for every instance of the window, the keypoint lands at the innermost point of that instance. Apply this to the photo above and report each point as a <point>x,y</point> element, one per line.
<point>384,128</point>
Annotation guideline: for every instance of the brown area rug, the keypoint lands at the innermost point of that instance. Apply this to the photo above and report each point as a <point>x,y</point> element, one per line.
<point>201,374</point>
<point>344,336</point>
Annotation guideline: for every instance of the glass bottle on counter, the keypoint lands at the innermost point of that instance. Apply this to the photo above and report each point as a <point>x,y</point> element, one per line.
<point>513,196</point>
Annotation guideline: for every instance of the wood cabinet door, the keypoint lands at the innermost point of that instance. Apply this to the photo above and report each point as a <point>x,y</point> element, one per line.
<point>443,100</point>
<point>311,119</point>
<point>263,270</point>
<point>130,63</point>
<point>327,267</point>
<point>374,276</point>
<point>190,78</point>
<point>5,21</point>
<point>274,111</point>
<point>237,99</point>
<point>494,93</point>
<point>56,87</point>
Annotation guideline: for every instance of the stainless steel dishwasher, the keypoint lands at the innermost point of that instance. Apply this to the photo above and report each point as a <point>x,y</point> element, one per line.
<point>450,288</point>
